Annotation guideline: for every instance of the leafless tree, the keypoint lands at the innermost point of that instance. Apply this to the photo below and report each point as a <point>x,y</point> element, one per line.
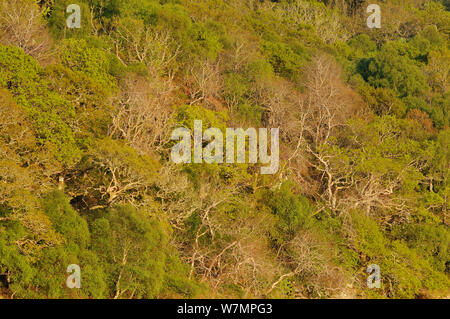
<point>157,49</point>
<point>307,257</point>
<point>206,82</point>
<point>328,26</point>
<point>21,25</point>
<point>144,112</point>
<point>328,102</point>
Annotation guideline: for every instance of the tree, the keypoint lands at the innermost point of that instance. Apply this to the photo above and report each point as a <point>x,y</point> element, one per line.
<point>52,264</point>
<point>438,70</point>
<point>113,173</point>
<point>21,25</point>
<point>135,252</point>
<point>144,113</point>
<point>142,44</point>
<point>49,113</point>
<point>389,69</point>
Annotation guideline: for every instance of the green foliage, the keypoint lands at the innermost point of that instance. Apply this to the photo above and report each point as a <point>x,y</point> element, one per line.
<point>389,69</point>
<point>136,255</point>
<point>249,113</point>
<point>66,220</point>
<point>88,97</point>
<point>129,247</point>
<point>235,87</point>
<point>54,261</point>
<point>283,59</point>
<point>78,56</point>
<point>120,173</point>
<point>57,20</point>
<point>259,71</point>
<point>187,114</point>
<point>12,262</point>
<point>49,112</point>
<point>372,189</point>
<point>432,241</point>
<point>291,211</point>
<point>362,45</point>
<point>208,39</point>
<point>402,267</point>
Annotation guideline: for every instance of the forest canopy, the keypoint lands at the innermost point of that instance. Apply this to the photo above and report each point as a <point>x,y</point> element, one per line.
<point>86,116</point>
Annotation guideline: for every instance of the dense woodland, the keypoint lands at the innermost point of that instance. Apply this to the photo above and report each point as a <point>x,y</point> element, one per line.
<point>86,177</point>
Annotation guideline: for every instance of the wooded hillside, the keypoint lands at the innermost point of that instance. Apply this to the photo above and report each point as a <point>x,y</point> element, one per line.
<point>86,116</point>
